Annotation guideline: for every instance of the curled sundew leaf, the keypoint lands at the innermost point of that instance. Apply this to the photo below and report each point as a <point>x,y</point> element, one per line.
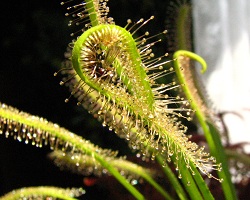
<point>182,63</point>
<point>205,117</point>
<point>192,85</point>
<point>116,73</point>
<point>179,23</point>
<point>43,192</point>
<point>194,90</point>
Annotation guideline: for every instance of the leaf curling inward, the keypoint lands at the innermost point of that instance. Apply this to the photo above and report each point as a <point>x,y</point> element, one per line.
<point>191,82</point>
<point>113,81</point>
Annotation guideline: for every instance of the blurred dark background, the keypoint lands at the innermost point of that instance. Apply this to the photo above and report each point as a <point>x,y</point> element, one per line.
<point>34,37</point>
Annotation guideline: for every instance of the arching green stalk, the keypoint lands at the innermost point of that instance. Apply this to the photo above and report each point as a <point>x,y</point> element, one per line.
<point>120,178</point>
<point>150,180</point>
<point>181,26</point>
<point>172,179</point>
<point>211,133</point>
<point>191,186</point>
<point>201,184</point>
<point>93,13</point>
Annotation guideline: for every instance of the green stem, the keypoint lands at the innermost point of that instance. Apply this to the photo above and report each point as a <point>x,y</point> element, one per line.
<point>172,178</point>
<point>218,152</point>
<point>181,23</point>
<point>201,184</point>
<point>119,177</point>
<point>142,173</point>
<point>93,16</point>
<point>211,133</point>
<point>190,185</point>
<point>157,186</point>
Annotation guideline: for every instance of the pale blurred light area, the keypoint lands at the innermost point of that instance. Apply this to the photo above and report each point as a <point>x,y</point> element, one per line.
<point>222,38</point>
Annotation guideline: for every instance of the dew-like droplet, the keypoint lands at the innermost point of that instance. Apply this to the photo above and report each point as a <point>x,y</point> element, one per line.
<point>134,182</point>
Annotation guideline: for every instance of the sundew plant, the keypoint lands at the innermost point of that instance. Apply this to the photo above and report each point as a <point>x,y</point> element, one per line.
<point>113,72</point>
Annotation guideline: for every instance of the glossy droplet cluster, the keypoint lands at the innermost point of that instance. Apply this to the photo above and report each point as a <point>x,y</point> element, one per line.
<point>86,165</point>
<point>38,131</point>
<point>44,192</point>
